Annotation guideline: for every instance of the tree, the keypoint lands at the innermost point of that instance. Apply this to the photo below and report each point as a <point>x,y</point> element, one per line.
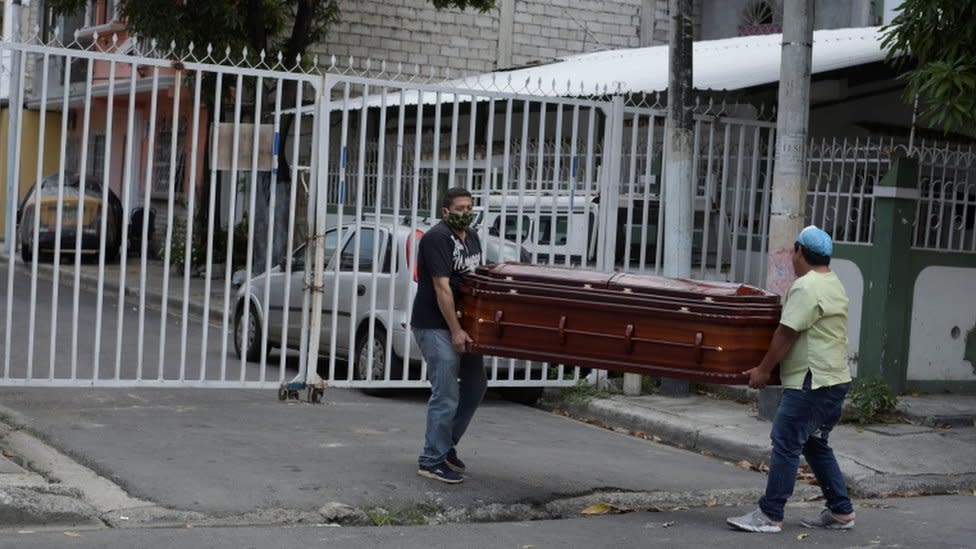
<point>935,41</point>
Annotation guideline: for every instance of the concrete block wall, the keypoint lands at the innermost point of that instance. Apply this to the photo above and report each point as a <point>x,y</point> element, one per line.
<point>413,32</point>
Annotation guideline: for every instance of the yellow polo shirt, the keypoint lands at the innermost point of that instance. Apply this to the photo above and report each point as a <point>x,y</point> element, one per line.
<point>816,307</point>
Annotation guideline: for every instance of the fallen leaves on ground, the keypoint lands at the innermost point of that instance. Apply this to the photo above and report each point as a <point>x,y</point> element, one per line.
<point>870,505</point>
<point>803,474</point>
<point>712,502</point>
<point>802,537</point>
<point>71,534</point>
<point>760,467</point>
<point>605,508</point>
<point>668,524</point>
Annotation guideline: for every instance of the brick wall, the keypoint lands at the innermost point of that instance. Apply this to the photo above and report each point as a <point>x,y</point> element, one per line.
<point>413,32</point>
<point>545,30</point>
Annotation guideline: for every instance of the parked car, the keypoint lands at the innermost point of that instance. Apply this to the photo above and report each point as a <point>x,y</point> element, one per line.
<point>395,244</point>
<point>43,197</point>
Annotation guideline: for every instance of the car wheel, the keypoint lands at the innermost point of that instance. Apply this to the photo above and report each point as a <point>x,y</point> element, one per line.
<point>363,365</point>
<point>252,333</point>
<point>111,252</point>
<point>521,395</point>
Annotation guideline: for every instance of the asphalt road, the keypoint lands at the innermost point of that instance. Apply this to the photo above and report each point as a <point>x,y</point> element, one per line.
<point>930,522</point>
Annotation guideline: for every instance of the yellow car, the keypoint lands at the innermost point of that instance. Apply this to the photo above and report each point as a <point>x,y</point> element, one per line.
<point>90,225</point>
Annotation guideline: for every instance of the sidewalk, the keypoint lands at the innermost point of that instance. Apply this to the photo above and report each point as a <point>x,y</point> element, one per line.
<point>933,454</point>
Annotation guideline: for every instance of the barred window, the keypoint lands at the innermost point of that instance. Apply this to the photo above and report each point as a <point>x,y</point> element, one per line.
<point>96,158</point>
<point>163,158</point>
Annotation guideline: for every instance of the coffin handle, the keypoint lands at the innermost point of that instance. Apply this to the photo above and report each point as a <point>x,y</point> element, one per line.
<point>498,323</point>
<point>699,337</point>
<point>562,330</point>
<point>629,339</point>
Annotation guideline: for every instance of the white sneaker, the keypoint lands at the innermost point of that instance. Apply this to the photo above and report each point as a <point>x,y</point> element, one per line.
<point>826,519</point>
<point>755,521</point>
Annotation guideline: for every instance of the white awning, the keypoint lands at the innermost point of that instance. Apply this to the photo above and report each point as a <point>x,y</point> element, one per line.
<point>727,64</point>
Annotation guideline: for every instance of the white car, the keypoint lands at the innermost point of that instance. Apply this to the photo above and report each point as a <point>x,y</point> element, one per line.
<point>352,294</point>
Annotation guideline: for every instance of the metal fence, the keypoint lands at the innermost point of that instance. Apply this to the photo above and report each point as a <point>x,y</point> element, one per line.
<point>567,178</point>
<point>843,174</point>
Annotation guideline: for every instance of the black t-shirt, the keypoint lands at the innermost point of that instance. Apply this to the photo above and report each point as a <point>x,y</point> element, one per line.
<point>441,253</point>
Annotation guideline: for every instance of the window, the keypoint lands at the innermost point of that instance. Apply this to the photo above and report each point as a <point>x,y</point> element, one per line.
<point>96,158</point>
<point>163,158</point>
<point>511,227</point>
<point>369,240</point>
<point>545,230</point>
<point>761,17</point>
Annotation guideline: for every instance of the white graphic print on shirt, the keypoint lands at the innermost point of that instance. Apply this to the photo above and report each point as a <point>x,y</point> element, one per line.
<point>463,264</point>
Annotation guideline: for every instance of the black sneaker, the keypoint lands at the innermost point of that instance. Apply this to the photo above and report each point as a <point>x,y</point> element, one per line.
<point>440,471</point>
<point>454,462</point>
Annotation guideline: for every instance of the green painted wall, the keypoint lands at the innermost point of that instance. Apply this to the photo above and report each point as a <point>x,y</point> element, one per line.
<point>890,268</point>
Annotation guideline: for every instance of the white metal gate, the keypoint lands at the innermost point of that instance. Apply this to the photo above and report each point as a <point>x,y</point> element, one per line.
<point>316,189</point>
<point>113,283</point>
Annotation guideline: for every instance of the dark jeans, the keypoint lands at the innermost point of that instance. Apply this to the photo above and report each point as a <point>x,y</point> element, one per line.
<point>803,422</point>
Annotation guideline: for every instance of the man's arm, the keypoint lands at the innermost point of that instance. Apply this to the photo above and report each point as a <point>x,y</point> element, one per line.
<point>783,339</point>
<point>445,302</point>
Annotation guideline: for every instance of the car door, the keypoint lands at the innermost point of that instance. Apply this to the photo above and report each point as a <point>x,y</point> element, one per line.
<point>360,274</point>
<point>296,291</point>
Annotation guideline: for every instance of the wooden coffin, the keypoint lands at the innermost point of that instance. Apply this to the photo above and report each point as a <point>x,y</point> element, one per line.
<point>677,328</point>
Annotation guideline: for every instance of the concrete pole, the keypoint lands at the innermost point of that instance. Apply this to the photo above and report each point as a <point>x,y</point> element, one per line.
<point>788,204</point>
<point>506,32</point>
<point>14,107</point>
<point>679,188</point>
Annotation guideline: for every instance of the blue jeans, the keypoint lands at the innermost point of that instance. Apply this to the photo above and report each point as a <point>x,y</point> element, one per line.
<point>457,385</point>
<point>803,422</point>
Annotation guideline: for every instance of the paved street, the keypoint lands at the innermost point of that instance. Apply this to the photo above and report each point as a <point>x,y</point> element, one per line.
<point>933,522</point>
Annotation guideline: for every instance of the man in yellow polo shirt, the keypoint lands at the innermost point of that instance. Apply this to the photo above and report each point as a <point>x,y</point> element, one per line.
<point>810,345</point>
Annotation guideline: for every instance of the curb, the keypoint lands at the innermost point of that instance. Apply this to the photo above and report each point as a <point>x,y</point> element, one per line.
<point>734,445</point>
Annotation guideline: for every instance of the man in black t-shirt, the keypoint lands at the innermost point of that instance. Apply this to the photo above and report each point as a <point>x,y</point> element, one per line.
<point>457,379</point>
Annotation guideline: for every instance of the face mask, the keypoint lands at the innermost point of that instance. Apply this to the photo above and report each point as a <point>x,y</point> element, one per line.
<point>460,221</point>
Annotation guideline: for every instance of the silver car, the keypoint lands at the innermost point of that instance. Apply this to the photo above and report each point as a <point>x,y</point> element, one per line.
<point>378,281</point>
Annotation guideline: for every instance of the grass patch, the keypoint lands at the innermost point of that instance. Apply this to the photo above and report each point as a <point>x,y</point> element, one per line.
<point>871,400</point>
<point>413,515</point>
<point>576,396</point>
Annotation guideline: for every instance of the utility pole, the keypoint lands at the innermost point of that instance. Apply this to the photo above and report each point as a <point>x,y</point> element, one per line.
<point>679,188</point>
<point>14,106</point>
<point>788,202</point>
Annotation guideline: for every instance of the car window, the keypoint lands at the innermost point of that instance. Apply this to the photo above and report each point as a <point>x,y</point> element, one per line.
<point>331,243</point>
<point>512,228</point>
<point>298,258</point>
<point>545,230</point>
<point>368,239</point>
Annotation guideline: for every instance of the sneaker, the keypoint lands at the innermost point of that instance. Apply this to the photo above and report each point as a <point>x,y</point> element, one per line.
<point>440,471</point>
<point>454,462</point>
<point>826,519</point>
<point>755,521</point>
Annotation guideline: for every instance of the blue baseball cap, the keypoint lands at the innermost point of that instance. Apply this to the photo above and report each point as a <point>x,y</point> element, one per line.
<point>816,240</point>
